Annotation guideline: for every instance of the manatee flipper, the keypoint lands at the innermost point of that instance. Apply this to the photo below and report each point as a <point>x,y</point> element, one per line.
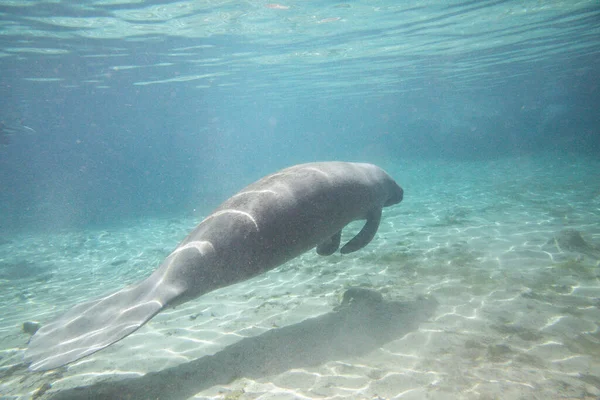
<point>91,326</point>
<point>366,234</point>
<point>330,246</point>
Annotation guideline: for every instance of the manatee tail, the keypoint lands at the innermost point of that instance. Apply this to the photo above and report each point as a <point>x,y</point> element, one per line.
<point>96,324</point>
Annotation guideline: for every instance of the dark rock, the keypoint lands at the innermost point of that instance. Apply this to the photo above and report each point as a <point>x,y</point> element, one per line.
<point>31,327</point>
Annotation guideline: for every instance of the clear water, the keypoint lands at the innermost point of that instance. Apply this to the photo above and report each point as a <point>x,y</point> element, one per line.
<point>124,123</point>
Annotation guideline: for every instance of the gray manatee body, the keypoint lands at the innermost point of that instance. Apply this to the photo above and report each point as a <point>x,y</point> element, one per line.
<point>266,224</point>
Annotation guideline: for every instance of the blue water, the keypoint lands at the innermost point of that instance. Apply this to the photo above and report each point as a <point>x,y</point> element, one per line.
<point>124,123</point>
<point>125,109</point>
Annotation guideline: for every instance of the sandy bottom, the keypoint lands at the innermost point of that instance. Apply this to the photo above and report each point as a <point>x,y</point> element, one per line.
<point>490,274</point>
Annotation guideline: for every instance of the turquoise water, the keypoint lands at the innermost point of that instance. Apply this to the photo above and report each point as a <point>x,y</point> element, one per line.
<point>125,123</point>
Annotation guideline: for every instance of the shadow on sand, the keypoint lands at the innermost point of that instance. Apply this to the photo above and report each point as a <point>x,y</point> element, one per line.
<point>364,322</point>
